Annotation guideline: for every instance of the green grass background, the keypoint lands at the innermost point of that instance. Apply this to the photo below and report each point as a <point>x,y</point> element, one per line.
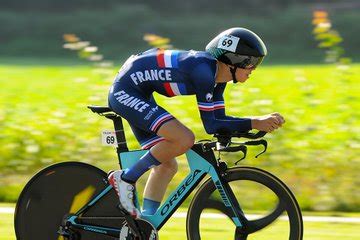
<point>43,120</point>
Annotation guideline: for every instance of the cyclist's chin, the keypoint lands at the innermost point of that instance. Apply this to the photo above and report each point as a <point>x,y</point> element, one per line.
<point>243,78</point>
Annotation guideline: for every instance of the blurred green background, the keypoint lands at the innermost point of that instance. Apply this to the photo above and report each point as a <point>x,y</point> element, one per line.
<point>44,89</point>
<point>34,28</point>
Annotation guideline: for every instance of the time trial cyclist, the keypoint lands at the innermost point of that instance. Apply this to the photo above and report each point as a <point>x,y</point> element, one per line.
<point>231,56</point>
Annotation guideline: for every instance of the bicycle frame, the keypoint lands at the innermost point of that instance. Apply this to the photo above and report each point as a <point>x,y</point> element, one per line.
<point>199,167</point>
<point>200,162</point>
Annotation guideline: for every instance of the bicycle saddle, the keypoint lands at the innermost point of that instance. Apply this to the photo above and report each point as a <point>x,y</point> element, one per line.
<point>99,109</point>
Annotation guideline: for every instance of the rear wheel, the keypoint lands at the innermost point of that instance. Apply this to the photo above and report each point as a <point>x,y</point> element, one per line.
<point>55,192</point>
<point>268,204</point>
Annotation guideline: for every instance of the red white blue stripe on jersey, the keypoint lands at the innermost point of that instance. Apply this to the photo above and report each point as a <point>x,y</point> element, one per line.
<point>219,105</point>
<point>167,58</point>
<point>175,89</point>
<point>159,121</point>
<point>207,107</point>
<point>151,142</point>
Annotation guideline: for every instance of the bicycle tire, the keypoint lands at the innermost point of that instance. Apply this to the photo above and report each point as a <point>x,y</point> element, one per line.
<point>56,191</point>
<point>202,201</point>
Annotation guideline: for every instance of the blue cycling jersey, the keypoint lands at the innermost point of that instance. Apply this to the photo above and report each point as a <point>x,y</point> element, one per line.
<point>170,73</point>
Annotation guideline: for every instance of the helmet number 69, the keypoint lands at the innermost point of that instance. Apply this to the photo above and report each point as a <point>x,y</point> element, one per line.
<point>228,43</point>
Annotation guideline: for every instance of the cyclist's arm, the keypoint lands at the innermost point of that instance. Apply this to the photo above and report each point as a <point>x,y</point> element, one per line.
<point>207,105</point>
<point>214,125</point>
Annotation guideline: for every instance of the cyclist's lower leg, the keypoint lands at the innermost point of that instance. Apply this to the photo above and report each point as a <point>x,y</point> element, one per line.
<point>156,185</point>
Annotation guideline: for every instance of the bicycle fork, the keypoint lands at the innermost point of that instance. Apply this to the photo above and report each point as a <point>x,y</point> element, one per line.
<point>233,208</point>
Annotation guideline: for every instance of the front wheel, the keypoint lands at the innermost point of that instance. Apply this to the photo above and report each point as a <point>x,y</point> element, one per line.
<point>268,204</point>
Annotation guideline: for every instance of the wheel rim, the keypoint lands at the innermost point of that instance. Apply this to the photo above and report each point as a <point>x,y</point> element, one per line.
<point>262,202</point>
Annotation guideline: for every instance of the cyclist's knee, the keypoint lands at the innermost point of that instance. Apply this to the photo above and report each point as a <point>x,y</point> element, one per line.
<point>178,134</point>
<point>184,141</point>
<point>188,140</point>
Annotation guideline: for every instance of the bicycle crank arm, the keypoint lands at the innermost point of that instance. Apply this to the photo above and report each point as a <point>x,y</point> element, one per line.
<point>132,224</point>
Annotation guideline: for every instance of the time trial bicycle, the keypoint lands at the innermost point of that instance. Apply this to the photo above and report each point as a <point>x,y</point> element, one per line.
<point>73,200</point>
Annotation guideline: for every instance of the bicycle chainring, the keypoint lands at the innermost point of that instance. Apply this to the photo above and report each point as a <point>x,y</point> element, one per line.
<point>148,231</point>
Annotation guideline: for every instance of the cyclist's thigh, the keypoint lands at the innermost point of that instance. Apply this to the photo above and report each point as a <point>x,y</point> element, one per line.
<point>146,139</point>
<point>140,111</point>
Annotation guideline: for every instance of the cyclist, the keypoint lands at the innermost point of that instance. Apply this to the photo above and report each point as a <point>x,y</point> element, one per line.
<point>230,56</point>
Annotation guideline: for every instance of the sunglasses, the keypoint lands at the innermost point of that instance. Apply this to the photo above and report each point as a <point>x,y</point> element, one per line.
<point>242,61</point>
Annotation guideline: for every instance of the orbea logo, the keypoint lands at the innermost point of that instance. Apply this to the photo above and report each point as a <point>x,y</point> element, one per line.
<point>179,192</point>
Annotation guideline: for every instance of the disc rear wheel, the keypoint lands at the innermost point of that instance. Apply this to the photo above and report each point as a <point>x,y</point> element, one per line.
<point>55,192</point>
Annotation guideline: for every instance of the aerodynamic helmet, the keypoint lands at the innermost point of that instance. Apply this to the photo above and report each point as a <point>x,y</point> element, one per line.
<point>238,47</point>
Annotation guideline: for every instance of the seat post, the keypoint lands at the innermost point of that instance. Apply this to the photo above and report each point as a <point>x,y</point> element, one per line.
<point>120,134</point>
<point>118,126</point>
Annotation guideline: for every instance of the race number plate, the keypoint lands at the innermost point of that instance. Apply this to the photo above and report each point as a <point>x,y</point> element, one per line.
<point>108,138</point>
<point>229,43</point>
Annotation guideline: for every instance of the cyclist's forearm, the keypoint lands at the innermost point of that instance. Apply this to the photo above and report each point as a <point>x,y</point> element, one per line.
<point>229,125</point>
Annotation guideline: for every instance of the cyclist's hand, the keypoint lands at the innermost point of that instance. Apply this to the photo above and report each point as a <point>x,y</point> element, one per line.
<point>268,123</point>
<point>280,118</point>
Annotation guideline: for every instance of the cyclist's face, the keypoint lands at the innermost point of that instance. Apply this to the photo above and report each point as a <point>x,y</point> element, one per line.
<point>242,74</point>
<point>224,75</point>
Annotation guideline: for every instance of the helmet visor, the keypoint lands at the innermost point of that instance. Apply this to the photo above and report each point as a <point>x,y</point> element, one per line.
<point>243,61</point>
